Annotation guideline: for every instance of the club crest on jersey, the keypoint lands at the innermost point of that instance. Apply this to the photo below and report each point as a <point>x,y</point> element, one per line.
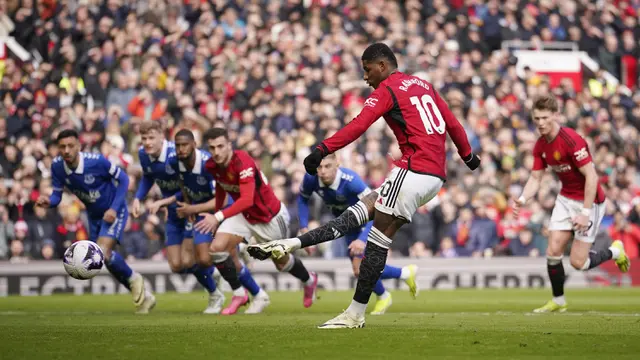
<point>557,155</point>
<point>67,181</point>
<point>230,176</point>
<point>169,170</point>
<point>341,198</point>
<point>89,179</point>
<point>321,192</point>
<point>148,169</point>
<point>201,181</point>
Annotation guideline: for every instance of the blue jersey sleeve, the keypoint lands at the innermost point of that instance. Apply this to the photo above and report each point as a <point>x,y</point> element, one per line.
<point>364,234</point>
<point>121,177</point>
<point>146,183</point>
<point>357,186</point>
<point>306,190</point>
<point>58,188</point>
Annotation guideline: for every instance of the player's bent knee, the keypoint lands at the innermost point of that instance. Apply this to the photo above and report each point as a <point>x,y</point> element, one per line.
<point>219,257</point>
<point>204,259</point>
<point>578,263</point>
<point>176,267</point>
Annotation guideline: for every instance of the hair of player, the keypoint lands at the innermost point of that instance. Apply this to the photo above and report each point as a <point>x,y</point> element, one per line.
<point>67,134</point>
<point>380,51</point>
<point>186,133</point>
<point>546,102</point>
<point>215,133</point>
<point>150,125</point>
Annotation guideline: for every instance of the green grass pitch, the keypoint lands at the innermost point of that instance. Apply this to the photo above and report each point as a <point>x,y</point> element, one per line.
<point>460,324</point>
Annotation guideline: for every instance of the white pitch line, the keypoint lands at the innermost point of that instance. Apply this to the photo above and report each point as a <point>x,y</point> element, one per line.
<point>497,313</point>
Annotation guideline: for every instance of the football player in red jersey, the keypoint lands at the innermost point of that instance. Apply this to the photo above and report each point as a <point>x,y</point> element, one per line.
<point>420,120</point>
<point>579,207</point>
<point>256,210</point>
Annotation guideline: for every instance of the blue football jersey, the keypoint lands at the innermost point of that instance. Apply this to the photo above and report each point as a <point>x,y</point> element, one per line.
<point>95,182</point>
<point>345,191</point>
<point>198,183</point>
<point>160,171</point>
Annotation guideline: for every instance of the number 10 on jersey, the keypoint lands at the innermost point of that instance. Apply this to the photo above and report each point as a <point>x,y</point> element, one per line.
<point>427,113</point>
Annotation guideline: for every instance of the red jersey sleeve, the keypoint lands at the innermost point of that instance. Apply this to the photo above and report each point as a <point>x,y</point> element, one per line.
<point>378,104</point>
<point>454,128</point>
<point>538,160</point>
<point>245,169</point>
<point>578,149</point>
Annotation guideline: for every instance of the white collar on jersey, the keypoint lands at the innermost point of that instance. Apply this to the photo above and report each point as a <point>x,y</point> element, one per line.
<point>335,184</point>
<point>197,167</point>
<point>163,152</point>
<point>79,169</point>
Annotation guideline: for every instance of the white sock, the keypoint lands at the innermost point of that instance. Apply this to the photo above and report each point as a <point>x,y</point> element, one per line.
<point>134,276</point>
<point>405,273</point>
<point>261,294</point>
<point>385,295</point>
<point>310,281</point>
<point>356,309</point>
<point>294,243</point>
<point>239,291</point>
<point>585,267</point>
<point>559,300</point>
<point>615,252</point>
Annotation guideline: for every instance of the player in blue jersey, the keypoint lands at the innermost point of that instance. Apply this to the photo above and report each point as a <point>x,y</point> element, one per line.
<point>102,187</point>
<point>156,157</point>
<point>199,187</point>
<point>341,188</point>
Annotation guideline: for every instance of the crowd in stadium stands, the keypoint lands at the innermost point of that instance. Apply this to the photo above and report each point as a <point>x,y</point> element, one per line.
<point>283,75</point>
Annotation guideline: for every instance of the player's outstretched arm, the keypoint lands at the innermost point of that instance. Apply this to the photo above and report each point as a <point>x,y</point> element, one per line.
<point>529,191</point>
<point>457,133</point>
<point>121,189</point>
<point>306,191</point>
<point>590,184</point>
<point>377,104</point>
<point>56,196</point>
<point>146,183</point>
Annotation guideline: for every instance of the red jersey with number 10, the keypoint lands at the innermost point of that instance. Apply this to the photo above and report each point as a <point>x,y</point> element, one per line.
<point>244,182</point>
<point>566,154</point>
<point>419,118</point>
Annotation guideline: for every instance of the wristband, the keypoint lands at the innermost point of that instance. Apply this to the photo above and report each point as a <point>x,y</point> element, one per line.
<point>586,212</point>
<point>219,216</point>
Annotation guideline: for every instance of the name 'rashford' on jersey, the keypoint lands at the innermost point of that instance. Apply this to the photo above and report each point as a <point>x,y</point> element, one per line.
<point>94,181</point>
<point>565,155</point>
<point>420,120</point>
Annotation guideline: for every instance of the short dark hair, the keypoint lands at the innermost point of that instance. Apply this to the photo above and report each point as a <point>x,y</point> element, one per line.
<point>67,134</point>
<point>215,133</point>
<point>186,133</point>
<point>546,102</point>
<point>380,50</point>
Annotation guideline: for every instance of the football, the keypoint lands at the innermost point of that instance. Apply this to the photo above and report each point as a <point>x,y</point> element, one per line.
<point>83,260</point>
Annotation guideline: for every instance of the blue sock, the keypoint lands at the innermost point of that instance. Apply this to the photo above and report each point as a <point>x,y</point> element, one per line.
<point>119,269</point>
<point>379,288</point>
<point>391,272</point>
<point>205,277</point>
<point>247,281</point>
